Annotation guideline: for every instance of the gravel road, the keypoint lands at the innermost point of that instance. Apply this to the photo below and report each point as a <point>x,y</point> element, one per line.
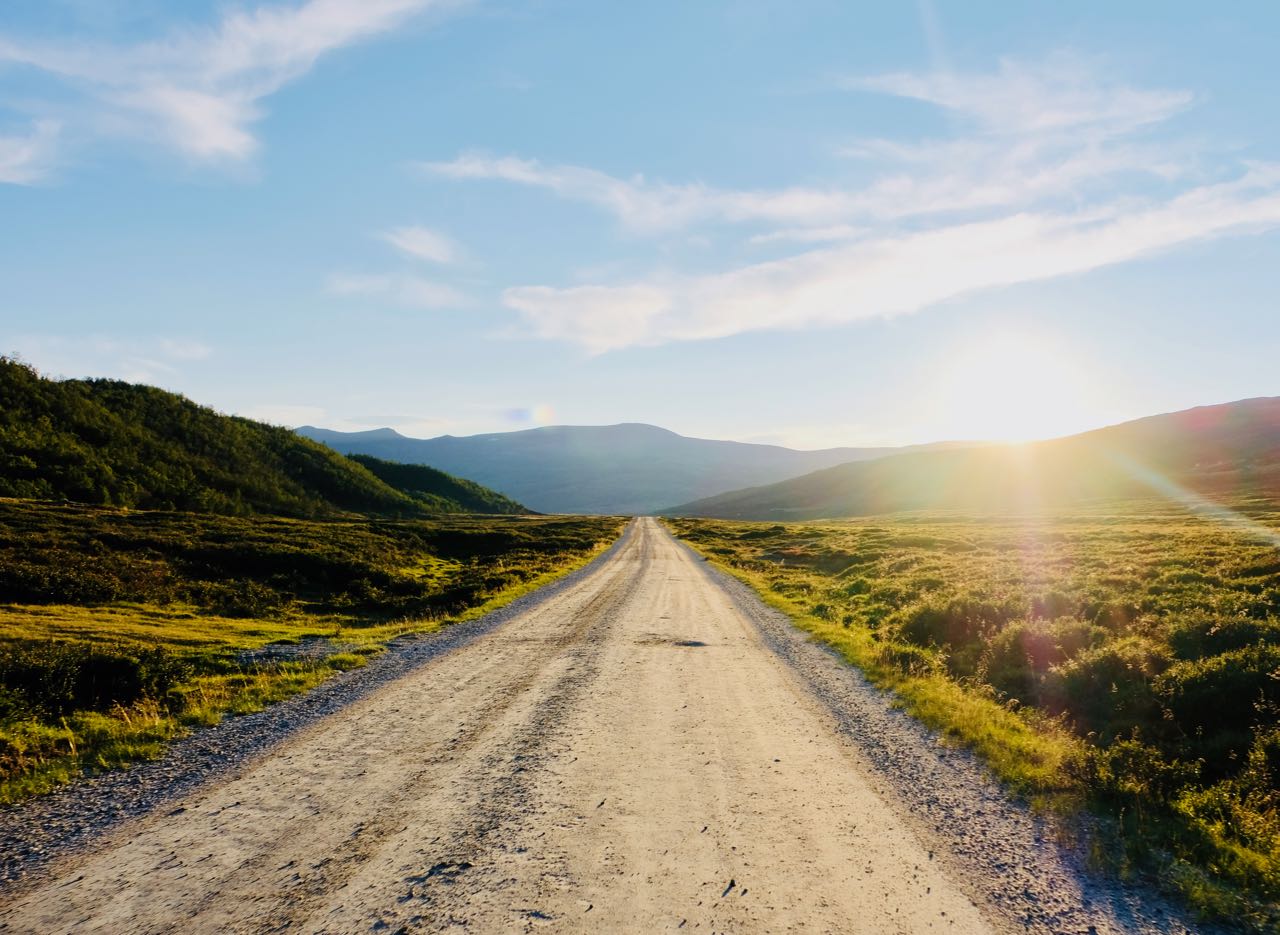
<point>644,747</point>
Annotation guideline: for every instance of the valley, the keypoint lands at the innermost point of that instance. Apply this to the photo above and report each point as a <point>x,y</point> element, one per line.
<point>643,750</point>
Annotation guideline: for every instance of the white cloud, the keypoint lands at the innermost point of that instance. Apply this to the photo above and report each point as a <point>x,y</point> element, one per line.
<point>200,89</point>
<point>1059,94</point>
<point>600,318</point>
<point>28,158</point>
<point>933,178</point>
<point>892,275</point>
<point>653,206</point>
<point>422,243</point>
<point>407,291</point>
<point>1038,132</point>
<point>828,234</point>
<point>1052,169</point>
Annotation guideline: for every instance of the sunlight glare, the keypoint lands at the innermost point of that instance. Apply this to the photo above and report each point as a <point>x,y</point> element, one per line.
<point>1013,387</point>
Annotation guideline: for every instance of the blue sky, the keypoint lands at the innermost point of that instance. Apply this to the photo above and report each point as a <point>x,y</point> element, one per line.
<point>812,223</point>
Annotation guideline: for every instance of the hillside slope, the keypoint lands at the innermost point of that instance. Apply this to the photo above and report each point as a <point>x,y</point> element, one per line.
<point>448,494</point>
<point>1228,449</point>
<point>615,469</point>
<point>110,442</point>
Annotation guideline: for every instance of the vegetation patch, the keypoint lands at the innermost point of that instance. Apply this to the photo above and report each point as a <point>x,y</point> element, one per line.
<point>1125,662</point>
<point>121,629</point>
<point>115,443</point>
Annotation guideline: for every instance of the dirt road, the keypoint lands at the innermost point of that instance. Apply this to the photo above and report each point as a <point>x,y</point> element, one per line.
<point>628,756</point>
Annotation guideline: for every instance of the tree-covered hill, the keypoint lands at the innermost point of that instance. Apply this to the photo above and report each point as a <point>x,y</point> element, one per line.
<point>111,442</point>
<point>451,494</point>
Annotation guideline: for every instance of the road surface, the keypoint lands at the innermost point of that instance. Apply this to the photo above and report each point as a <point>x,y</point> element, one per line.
<point>627,756</point>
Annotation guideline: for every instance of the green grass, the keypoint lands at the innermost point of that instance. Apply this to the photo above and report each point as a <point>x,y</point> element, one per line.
<point>1124,661</point>
<point>194,617</point>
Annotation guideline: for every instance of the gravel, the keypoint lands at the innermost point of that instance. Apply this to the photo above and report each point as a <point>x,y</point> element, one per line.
<point>1019,864</point>
<point>36,834</point>
<point>1022,865</point>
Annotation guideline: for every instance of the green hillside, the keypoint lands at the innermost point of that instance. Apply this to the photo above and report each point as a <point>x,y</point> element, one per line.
<point>1229,450</point>
<point>114,443</point>
<point>441,491</point>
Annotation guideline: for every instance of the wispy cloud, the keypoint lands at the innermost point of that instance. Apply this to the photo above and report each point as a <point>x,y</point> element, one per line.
<point>200,90</point>
<point>1052,169</point>
<point>827,234</point>
<point>406,291</point>
<point>28,158</point>
<point>1062,93</point>
<point>891,275</point>
<point>1032,132</point>
<point>422,243</point>
<point>649,206</point>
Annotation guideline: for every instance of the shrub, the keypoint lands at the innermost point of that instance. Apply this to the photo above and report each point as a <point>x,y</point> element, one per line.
<point>52,679</point>
<point>1019,655</point>
<point>1107,690</point>
<point>1245,809</point>
<point>954,621</point>
<point>244,598</point>
<point>911,660</point>
<point>1131,770</point>
<point>1217,700</point>
<point>1203,635</point>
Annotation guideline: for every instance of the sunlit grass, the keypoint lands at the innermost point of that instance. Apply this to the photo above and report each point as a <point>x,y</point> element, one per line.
<point>390,579</point>
<point>1077,655</point>
<point>1033,760</point>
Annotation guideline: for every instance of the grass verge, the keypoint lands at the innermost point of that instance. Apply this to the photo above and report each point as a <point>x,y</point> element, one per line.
<point>915,604</point>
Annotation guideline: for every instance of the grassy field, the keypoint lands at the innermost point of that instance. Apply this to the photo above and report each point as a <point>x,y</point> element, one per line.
<point>121,630</point>
<point>1126,661</point>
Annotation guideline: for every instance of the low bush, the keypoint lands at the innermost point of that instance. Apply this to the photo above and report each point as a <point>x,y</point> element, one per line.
<point>939,620</point>
<point>1017,658</point>
<point>1198,635</point>
<point>52,679</point>
<point>1222,701</point>
<point>1107,690</point>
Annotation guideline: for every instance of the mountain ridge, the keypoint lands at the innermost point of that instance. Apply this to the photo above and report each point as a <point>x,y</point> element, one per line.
<point>622,468</point>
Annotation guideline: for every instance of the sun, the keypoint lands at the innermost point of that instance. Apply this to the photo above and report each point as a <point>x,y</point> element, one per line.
<point>1014,387</point>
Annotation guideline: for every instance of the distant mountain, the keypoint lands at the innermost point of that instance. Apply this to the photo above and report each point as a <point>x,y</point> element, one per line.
<point>1221,450</point>
<point>620,469</point>
<point>110,442</point>
<point>438,490</point>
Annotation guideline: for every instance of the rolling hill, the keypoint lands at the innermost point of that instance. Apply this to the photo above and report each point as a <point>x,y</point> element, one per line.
<point>616,469</point>
<point>110,442</point>
<point>1223,450</point>
<point>444,492</point>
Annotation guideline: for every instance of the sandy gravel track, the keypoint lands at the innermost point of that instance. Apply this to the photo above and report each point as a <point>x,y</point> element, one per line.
<point>629,755</point>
